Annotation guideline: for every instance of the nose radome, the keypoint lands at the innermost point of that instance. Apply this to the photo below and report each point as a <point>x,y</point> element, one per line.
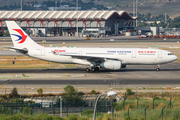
<point>175,57</point>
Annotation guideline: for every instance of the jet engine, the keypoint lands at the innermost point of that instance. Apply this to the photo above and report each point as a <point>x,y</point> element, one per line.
<point>112,65</point>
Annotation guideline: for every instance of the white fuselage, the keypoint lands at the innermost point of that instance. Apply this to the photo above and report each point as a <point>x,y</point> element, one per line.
<point>128,56</point>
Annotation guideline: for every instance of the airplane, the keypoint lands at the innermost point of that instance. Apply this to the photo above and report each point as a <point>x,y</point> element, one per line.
<point>95,58</point>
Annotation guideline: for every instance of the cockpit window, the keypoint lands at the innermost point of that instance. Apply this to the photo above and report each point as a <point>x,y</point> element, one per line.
<point>170,54</point>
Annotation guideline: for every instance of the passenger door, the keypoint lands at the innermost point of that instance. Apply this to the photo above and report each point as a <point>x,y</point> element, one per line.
<point>80,52</point>
<point>133,54</point>
<point>159,54</point>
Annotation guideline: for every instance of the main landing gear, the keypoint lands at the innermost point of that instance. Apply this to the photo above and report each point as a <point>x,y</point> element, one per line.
<point>158,68</point>
<point>93,69</point>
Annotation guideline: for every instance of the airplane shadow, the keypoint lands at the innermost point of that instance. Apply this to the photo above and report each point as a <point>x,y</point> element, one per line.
<point>80,70</point>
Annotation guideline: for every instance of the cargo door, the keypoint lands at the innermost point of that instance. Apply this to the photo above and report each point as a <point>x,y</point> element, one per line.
<point>43,52</point>
<point>37,52</point>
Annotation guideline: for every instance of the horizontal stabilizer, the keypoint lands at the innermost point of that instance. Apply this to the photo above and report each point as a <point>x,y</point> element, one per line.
<point>23,50</point>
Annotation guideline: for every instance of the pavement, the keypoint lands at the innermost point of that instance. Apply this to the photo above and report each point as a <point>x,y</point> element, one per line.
<point>135,75</point>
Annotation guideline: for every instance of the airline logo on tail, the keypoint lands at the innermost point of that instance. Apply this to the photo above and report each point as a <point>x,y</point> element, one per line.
<point>22,37</point>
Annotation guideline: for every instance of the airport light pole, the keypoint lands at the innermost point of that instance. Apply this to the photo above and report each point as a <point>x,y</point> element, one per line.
<point>56,5</point>
<point>60,107</point>
<point>117,89</point>
<point>136,13</point>
<point>111,94</point>
<point>21,5</point>
<point>77,17</point>
<point>133,12</point>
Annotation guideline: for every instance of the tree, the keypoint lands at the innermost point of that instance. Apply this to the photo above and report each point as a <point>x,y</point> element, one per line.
<point>149,16</point>
<point>71,94</point>
<point>162,24</point>
<point>155,24</point>
<point>93,92</point>
<point>14,93</point>
<point>161,16</point>
<point>40,91</point>
<point>143,24</point>
<point>1,34</point>
<point>129,91</point>
<point>7,33</point>
<point>69,88</point>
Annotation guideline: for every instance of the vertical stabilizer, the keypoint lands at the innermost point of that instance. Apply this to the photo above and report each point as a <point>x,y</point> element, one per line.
<point>19,37</point>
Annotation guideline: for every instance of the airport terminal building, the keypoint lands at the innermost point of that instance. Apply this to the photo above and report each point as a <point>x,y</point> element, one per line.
<point>66,23</point>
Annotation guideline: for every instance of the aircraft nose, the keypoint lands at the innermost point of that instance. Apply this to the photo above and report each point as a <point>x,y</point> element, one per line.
<point>175,57</point>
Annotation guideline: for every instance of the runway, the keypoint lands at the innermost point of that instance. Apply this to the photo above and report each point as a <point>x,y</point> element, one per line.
<point>142,75</point>
<point>119,81</point>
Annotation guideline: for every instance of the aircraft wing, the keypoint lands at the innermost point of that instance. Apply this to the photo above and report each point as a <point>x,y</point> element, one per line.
<point>87,57</point>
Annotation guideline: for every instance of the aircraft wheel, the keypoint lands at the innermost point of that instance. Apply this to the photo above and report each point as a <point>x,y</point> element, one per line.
<point>93,69</point>
<point>158,69</point>
<point>88,70</point>
<point>97,68</point>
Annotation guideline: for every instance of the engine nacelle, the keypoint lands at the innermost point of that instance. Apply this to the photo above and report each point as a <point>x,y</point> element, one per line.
<point>112,65</point>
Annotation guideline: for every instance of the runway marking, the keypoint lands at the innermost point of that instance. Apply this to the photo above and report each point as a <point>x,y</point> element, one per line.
<point>6,82</point>
<point>173,73</point>
<point>107,76</point>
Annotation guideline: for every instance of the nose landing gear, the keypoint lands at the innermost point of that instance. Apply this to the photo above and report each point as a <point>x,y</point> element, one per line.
<point>158,68</point>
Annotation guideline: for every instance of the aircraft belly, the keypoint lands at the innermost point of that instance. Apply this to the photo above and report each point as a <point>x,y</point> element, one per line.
<point>60,59</point>
<point>142,60</point>
<point>149,60</point>
<point>54,58</point>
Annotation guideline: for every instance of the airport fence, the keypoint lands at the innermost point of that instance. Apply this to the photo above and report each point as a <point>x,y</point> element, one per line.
<point>16,106</point>
<point>146,105</point>
<point>152,108</point>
